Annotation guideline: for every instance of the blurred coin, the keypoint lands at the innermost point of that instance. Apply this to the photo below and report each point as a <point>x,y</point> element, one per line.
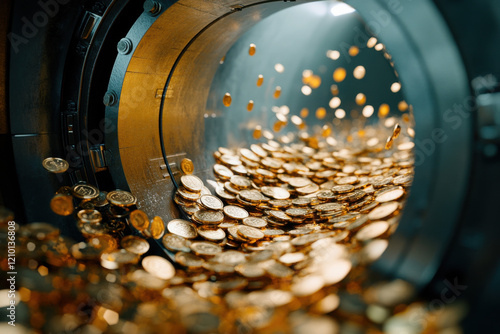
<point>55,165</point>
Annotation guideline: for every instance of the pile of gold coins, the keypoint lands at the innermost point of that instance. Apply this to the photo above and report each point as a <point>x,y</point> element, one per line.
<point>279,245</point>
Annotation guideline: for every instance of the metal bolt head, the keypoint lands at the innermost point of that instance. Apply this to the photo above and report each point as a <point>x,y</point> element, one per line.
<point>152,7</point>
<point>124,46</point>
<point>110,99</point>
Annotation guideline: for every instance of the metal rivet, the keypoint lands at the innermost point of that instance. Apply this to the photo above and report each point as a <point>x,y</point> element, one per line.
<point>152,7</point>
<point>124,46</point>
<point>110,99</point>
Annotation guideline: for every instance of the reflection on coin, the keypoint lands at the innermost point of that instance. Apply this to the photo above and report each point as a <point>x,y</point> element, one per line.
<point>134,244</point>
<point>255,222</point>
<point>384,210</point>
<point>275,192</point>
<point>211,234</point>
<point>62,204</point>
<point>222,171</point>
<point>250,234</point>
<point>139,219</point>
<point>371,231</point>
<point>121,198</point>
<point>390,195</point>
<point>182,228</point>
<point>192,183</point>
<point>89,216</point>
<point>158,267</point>
<point>85,191</point>
<point>208,217</point>
<point>55,165</point>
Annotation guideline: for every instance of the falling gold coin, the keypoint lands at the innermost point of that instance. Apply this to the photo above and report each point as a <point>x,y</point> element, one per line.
<point>277,92</point>
<point>383,110</point>
<point>139,219</point>
<point>250,105</point>
<point>62,204</point>
<point>227,99</point>
<point>55,165</point>
<point>158,267</point>
<point>121,198</point>
<point>134,244</point>
<point>260,80</point>
<point>182,228</point>
<point>252,49</point>
<point>157,228</point>
<point>187,166</point>
<point>339,74</point>
<point>85,191</point>
<point>192,183</point>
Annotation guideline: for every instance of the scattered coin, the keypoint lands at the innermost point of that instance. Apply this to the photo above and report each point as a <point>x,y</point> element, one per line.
<point>55,165</point>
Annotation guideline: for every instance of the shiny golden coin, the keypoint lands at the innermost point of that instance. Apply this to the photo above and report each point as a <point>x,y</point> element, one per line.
<point>277,92</point>
<point>339,74</point>
<point>189,260</point>
<point>396,131</point>
<point>280,216</point>
<point>252,196</point>
<point>240,182</point>
<point>255,222</point>
<point>326,207</point>
<point>383,110</point>
<point>372,231</point>
<point>250,270</point>
<point>208,217</point>
<point>275,192</point>
<point>187,195</point>
<point>260,80</point>
<point>192,183</point>
<point>309,189</point>
<point>299,182</point>
<point>250,105</point>
<point>403,179</point>
<point>121,198</point>
<point>101,201</point>
<point>252,49</point>
<point>211,202</point>
<point>280,203</point>
<point>176,243</point>
<point>230,257</point>
<point>222,171</point>
<point>251,234</point>
<point>187,166</point>
<point>139,219</point>
<point>158,267</point>
<point>62,204</point>
<point>390,195</point>
<point>383,210</point>
<point>389,142</point>
<point>292,258</point>
<point>205,248</point>
<point>235,212</point>
<point>227,100</point>
<point>222,193</point>
<point>307,285</point>
<point>182,228</point>
<point>211,234</point>
<point>134,244</point>
<point>347,180</point>
<point>85,191</point>
<point>89,216</point>
<point>55,165</point>
<point>278,270</point>
<point>326,196</point>
<point>157,228</point>
<point>114,259</point>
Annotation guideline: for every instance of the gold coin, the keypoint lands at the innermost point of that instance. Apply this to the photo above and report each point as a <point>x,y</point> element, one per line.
<point>278,270</point>
<point>85,191</point>
<point>139,219</point>
<point>211,202</point>
<point>250,270</point>
<point>250,234</point>
<point>114,259</point>
<point>230,257</point>
<point>372,231</point>
<point>222,193</point>
<point>383,210</point>
<point>341,189</point>
<point>211,234</point>
<point>389,142</point>
<point>396,131</point>
<point>121,198</point>
<point>192,183</point>
<point>227,99</point>
<point>157,227</point>
<point>187,166</point>
<point>307,285</point>
<point>326,195</point>
<point>62,204</point>
<point>182,228</point>
<point>280,203</point>
<point>252,49</point>
<point>347,180</point>
<point>292,258</point>
<point>280,216</point>
<point>208,217</point>
<point>252,196</point>
<point>390,195</point>
<point>255,222</point>
<point>309,189</point>
<point>101,201</point>
<point>176,243</point>
<point>187,195</point>
<point>134,244</point>
<point>235,212</point>
<point>240,182</point>
<point>298,212</point>
<point>189,260</point>
<point>301,201</point>
<point>158,267</point>
<point>275,192</point>
<point>233,233</point>
<point>55,165</point>
<point>299,182</point>
<point>205,248</point>
<point>222,171</point>
<point>403,179</point>
<point>89,216</point>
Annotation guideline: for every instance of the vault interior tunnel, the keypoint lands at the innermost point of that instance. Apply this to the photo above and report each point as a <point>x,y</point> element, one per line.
<point>134,90</point>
